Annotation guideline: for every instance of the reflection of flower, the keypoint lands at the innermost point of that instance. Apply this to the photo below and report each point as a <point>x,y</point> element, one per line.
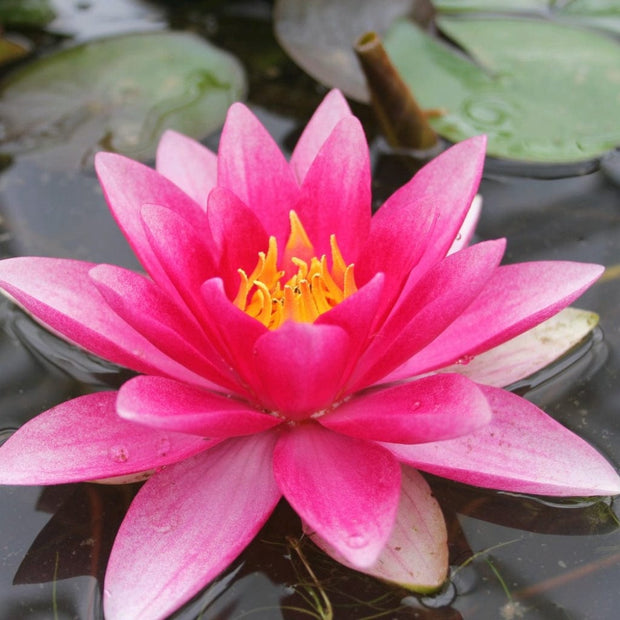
<point>280,322</point>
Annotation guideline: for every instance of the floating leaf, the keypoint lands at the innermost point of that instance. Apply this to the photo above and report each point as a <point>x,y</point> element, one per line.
<point>29,13</point>
<point>497,6</point>
<point>101,19</point>
<point>320,35</point>
<point>118,94</point>
<point>554,99</point>
<point>543,91</point>
<point>603,14</point>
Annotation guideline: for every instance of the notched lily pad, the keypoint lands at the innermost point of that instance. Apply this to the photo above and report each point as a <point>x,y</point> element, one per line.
<point>117,94</point>
<point>554,99</point>
<point>320,35</point>
<point>544,90</point>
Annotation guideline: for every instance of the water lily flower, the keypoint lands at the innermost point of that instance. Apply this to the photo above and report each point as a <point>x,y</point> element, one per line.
<point>289,344</point>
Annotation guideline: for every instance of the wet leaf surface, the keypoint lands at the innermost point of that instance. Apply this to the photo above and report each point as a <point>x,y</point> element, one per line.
<point>554,99</point>
<point>117,94</point>
<point>526,74</point>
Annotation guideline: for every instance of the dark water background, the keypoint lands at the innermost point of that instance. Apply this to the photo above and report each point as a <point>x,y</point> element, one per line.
<point>512,556</point>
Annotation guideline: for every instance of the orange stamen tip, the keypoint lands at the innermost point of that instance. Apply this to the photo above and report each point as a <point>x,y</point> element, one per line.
<point>298,237</point>
<point>312,290</point>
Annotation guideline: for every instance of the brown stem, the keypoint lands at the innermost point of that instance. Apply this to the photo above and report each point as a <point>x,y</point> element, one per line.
<point>402,120</point>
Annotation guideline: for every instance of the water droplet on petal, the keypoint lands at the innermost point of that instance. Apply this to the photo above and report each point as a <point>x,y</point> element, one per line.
<point>164,525</point>
<point>415,405</point>
<point>163,446</point>
<point>357,541</point>
<point>119,454</point>
<point>464,360</point>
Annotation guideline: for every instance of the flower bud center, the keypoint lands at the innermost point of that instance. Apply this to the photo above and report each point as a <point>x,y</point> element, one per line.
<point>313,287</point>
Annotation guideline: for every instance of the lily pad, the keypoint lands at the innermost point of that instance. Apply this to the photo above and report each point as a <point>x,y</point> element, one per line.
<point>554,99</point>
<point>28,13</point>
<point>117,94</point>
<point>543,90</point>
<point>496,6</point>
<point>320,35</point>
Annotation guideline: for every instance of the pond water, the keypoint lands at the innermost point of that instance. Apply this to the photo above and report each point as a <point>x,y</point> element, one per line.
<point>511,556</point>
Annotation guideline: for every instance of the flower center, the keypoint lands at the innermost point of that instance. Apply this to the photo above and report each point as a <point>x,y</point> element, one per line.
<point>312,289</point>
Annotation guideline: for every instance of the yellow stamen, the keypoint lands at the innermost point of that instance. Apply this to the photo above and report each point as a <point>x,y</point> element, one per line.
<point>298,237</point>
<point>310,291</point>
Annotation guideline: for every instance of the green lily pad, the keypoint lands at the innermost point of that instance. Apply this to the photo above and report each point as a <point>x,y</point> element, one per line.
<point>117,94</point>
<point>497,6</point>
<point>29,13</point>
<point>542,91</point>
<point>604,14</point>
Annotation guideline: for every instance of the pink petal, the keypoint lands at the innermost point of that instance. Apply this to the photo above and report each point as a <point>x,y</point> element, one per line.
<point>425,309</point>
<point>182,252</point>
<point>531,351</point>
<point>440,195</point>
<point>300,367</point>
<point>239,234</point>
<point>165,404</point>
<point>396,241</point>
<point>127,185</point>
<point>332,109</point>
<point>516,298</point>
<point>335,195</point>
<point>450,181</point>
<point>356,315</point>
<point>428,409</point>
<point>522,449</point>
<point>251,166</point>
<point>186,525</point>
<point>468,227</point>
<point>144,306</point>
<point>416,553</point>
<point>343,488</point>
<point>233,330</point>
<point>188,164</point>
<point>60,294</point>
<point>84,439</point>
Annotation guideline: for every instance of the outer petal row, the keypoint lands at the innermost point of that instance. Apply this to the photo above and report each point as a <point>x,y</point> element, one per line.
<point>416,553</point>
<point>60,293</point>
<point>325,477</point>
<point>187,523</point>
<point>522,449</point>
<point>84,439</point>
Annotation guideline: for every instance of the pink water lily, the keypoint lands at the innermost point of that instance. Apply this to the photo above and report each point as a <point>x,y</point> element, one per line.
<point>288,344</point>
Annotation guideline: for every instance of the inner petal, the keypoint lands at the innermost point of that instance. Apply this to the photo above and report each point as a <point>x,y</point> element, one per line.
<point>300,287</point>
